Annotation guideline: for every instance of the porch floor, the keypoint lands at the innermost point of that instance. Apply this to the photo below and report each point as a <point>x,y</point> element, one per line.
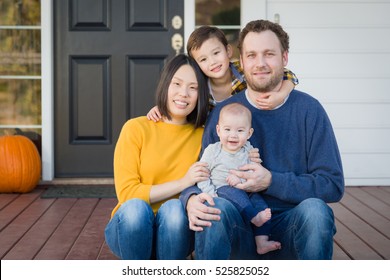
<point>70,228</point>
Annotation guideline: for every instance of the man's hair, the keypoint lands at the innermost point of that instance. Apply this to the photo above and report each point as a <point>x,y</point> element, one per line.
<point>236,109</point>
<point>264,25</point>
<point>203,33</point>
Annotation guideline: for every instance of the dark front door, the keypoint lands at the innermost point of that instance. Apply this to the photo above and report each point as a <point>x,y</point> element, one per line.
<point>108,56</point>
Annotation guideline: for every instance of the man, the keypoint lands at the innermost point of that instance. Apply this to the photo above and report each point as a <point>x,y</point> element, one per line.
<point>301,170</point>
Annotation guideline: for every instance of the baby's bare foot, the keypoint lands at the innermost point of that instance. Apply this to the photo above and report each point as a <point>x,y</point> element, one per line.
<point>261,217</point>
<point>268,246</point>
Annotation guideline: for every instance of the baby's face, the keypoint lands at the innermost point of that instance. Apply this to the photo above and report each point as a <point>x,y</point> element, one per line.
<point>233,132</point>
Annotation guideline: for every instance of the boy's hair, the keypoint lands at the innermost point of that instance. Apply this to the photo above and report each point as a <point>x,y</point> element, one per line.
<point>264,25</point>
<point>236,109</point>
<point>199,114</point>
<point>203,33</point>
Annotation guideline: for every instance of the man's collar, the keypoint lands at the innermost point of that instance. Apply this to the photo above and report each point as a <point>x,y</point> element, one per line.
<point>254,104</point>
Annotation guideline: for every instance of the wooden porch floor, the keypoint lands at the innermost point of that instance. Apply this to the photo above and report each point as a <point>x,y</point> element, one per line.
<point>67,228</point>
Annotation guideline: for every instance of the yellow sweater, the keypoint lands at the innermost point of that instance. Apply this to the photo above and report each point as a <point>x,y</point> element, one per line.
<point>149,153</point>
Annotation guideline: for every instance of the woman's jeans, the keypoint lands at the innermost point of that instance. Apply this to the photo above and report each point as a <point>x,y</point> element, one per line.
<point>305,232</point>
<point>135,233</point>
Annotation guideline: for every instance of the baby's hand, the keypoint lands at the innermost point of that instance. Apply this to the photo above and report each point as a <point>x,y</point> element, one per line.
<point>254,155</point>
<point>233,180</point>
<point>154,114</point>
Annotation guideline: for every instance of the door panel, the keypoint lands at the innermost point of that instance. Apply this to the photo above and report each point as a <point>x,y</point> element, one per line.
<point>108,56</point>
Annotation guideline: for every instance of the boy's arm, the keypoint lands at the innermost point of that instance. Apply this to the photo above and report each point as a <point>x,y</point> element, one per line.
<point>269,101</point>
<point>154,114</point>
<point>290,76</point>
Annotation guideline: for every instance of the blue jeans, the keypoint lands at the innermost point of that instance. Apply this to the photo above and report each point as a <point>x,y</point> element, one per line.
<point>305,232</point>
<point>135,233</point>
<point>248,204</point>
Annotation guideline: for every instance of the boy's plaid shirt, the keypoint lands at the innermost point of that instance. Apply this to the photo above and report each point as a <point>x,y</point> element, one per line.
<point>239,83</point>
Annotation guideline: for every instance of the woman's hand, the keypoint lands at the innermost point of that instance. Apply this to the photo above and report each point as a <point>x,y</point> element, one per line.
<point>196,173</point>
<point>199,214</point>
<point>257,177</point>
<point>154,114</point>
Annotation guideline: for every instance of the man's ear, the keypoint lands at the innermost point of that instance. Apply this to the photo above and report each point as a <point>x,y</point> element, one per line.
<point>285,58</point>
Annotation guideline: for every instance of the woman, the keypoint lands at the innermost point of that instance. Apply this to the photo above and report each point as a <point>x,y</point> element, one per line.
<point>154,162</point>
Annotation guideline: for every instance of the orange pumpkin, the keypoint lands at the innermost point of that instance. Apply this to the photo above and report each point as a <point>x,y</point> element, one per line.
<point>20,164</point>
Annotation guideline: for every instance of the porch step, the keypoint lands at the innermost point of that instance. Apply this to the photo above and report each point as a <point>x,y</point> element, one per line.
<point>78,181</point>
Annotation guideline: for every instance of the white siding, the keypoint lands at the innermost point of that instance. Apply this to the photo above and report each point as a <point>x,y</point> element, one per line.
<point>340,51</point>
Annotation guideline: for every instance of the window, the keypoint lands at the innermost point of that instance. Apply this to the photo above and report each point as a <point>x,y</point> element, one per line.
<point>224,14</point>
<point>20,68</point>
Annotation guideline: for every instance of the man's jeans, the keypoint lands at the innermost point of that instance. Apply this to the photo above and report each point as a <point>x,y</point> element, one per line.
<point>305,232</point>
<point>135,233</point>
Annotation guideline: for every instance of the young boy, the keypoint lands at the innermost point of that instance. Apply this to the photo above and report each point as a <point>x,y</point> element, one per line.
<point>209,47</point>
<point>231,152</point>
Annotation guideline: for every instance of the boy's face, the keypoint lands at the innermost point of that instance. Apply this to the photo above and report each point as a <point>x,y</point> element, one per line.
<point>213,58</point>
<point>233,131</point>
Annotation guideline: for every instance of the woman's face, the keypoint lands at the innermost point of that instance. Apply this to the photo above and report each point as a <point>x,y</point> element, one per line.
<point>182,94</point>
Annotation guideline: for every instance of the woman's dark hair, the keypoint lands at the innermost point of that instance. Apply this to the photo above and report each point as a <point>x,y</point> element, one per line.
<point>198,116</point>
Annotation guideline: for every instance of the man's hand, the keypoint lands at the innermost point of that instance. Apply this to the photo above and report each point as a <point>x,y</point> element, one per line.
<point>199,214</point>
<point>258,179</point>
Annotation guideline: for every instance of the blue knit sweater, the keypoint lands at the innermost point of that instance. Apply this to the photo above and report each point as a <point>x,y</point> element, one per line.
<point>297,144</point>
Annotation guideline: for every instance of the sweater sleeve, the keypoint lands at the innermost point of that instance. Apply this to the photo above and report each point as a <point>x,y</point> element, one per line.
<point>289,75</point>
<point>127,160</point>
<point>323,177</point>
<point>187,193</point>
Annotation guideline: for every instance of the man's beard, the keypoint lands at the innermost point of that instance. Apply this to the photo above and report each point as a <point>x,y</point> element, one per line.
<point>265,85</point>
